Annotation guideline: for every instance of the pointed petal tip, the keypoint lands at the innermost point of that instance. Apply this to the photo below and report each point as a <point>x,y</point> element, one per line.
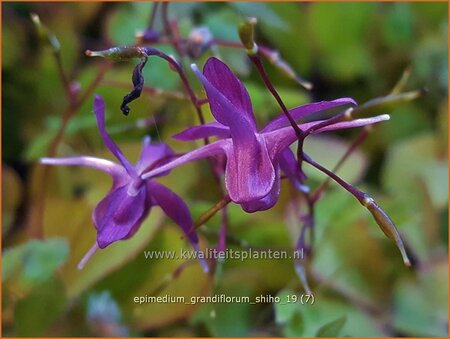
<point>301,274</point>
<point>202,261</point>
<point>90,53</point>
<point>99,107</point>
<point>98,100</point>
<point>147,140</point>
<point>204,265</point>
<point>213,60</point>
<point>194,67</point>
<point>305,84</point>
<point>407,262</point>
<point>387,226</point>
<point>35,18</point>
<point>405,257</point>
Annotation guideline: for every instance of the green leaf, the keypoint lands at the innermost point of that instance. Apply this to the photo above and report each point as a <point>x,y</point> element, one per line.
<point>80,234</point>
<point>154,277</point>
<point>12,187</point>
<point>40,144</point>
<point>157,73</point>
<point>13,32</point>
<point>327,150</point>
<point>262,11</point>
<point>398,25</point>
<point>406,120</point>
<point>121,28</point>
<point>325,310</point>
<point>341,36</point>
<point>223,24</point>
<point>292,34</point>
<point>227,319</point>
<point>295,326</point>
<point>40,309</point>
<point>35,261</point>
<point>332,329</point>
<point>284,310</point>
<point>420,305</point>
<point>417,158</point>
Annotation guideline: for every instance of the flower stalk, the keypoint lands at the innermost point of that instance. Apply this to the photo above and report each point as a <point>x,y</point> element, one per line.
<point>379,215</point>
<point>361,137</point>
<point>126,53</point>
<point>206,216</point>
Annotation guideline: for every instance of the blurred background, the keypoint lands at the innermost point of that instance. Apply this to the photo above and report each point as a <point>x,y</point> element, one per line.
<point>361,288</point>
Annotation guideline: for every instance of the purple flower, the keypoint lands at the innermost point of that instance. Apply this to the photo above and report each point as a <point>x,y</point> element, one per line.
<point>254,158</point>
<point>120,213</point>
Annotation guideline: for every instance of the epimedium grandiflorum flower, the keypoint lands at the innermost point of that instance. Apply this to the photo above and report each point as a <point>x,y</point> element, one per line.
<point>121,212</point>
<point>253,158</point>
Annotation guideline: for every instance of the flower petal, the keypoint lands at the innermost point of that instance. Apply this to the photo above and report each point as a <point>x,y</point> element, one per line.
<point>306,110</point>
<point>88,256</point>
<point>99,110</point>
<point>213,149</point>
<point>289,166</point>
<point>249,173</point>
<point>268,201</point>
<point>354,123</point>
<point>153,155</point>
<point>176,209</point>
<point>138,84</point>
<point>117,172</point>
<point>119,214</point>
<point>223,79</point>
<point>230,107</point>
<point>203,131</point>
<point>279,139</point>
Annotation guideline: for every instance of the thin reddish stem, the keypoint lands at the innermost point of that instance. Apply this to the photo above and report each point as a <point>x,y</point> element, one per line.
<point>358,141</point>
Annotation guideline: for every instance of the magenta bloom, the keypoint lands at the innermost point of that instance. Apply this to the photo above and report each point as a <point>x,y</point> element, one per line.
<point>120,213</point>
<point>254,158</point>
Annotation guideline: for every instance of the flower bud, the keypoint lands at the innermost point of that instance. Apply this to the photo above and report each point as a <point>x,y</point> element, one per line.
<point>247,35</point>
<point>123,53</point>
<point>389,102</point>
<point>386,225</point>
<point>45,35</point>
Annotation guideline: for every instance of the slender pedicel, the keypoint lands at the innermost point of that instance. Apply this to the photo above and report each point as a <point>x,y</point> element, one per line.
<point>371,107</point>
<point>380,216</point>
<point>301,273</point>
<point>126,53</point>
<point>222,243</point>
<point>48,38</point>
<point>358,141</point>
<point>299,261</point>
<point>204,218</point>
<point>246,34</point>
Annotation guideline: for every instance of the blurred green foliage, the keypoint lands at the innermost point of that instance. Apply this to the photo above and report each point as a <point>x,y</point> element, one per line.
<point>345,49</point>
